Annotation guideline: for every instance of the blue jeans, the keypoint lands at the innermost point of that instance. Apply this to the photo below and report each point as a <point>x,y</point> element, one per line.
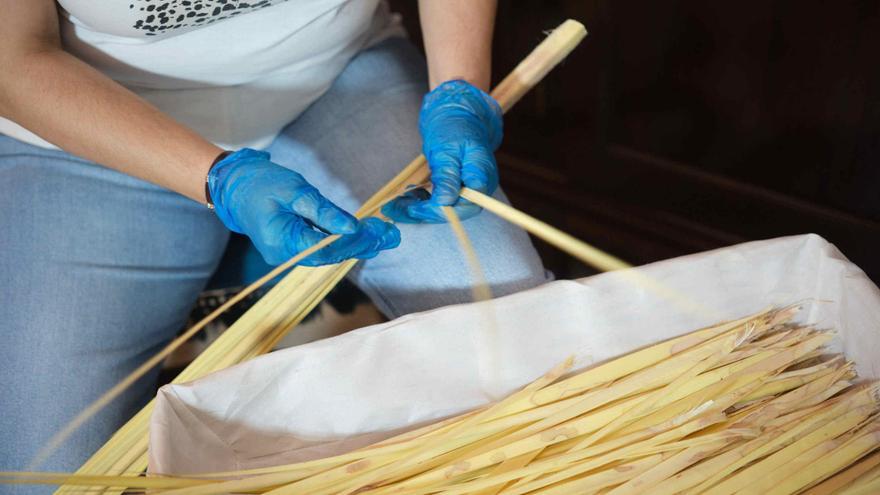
<point>98,270</point>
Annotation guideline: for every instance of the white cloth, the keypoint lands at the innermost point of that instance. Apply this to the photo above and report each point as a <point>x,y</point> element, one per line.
<point>235,71</point>
<point>344,392</point>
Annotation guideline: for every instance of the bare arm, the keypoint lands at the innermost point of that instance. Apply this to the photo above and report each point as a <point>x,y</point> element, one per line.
<point>458,40</point>
<point>75,107</point>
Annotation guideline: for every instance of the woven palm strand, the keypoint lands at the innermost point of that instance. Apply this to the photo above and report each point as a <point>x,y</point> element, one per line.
<point>749,406</point>
<point>260,329</point>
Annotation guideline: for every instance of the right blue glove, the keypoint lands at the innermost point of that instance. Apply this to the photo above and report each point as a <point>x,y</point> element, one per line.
<point>283,214</point>
<point>461,127</point>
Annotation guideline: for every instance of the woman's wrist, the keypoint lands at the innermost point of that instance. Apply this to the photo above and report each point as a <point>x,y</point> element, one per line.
<point>209,201</point>
<point>458,40</point>
<point>193,173</point>
<point>479,78</point>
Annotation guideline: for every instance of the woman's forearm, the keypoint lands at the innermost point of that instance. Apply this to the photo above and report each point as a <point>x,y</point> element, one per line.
<point>75,107</point>
<point>458,40</point>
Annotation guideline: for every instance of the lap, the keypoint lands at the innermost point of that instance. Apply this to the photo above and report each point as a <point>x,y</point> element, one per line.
<point>99,269</point>
<point>364,130</point>
<point>358,136</point>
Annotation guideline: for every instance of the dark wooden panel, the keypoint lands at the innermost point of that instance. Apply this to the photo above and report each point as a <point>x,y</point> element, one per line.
<point>686,125</point>
<point>779,94</point>
<point>646,209</point>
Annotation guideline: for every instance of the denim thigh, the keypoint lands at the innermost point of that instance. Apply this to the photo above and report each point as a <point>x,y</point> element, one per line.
<point>97,271</point>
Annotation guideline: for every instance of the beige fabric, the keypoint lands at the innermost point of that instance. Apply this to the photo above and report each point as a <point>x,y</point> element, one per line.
<point>348,391</point>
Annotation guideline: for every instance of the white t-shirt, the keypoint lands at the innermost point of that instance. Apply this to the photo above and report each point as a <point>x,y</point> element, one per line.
<point>235,71</point>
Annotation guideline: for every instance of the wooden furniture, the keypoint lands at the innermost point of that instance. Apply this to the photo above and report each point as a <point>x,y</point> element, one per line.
<point>682,126</point>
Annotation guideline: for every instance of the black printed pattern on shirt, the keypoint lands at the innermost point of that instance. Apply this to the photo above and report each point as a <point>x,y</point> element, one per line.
<point>159,16</point>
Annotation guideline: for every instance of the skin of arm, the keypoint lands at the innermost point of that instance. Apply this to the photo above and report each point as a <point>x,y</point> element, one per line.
<point>458,40</point>
<point>70,104</point>
<point>75,107</point>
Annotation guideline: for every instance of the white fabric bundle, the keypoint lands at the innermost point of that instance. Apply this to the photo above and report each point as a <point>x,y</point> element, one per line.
<point>348,391</point>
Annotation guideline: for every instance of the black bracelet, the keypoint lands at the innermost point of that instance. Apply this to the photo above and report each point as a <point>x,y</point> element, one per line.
<point>208,201</point>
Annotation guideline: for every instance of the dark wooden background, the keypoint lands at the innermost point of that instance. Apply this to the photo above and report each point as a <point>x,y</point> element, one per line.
<point>682,126</point>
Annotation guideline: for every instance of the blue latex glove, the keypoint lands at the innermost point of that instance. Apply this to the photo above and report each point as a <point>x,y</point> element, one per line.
<point>283,214</point>
<point>461,127</point>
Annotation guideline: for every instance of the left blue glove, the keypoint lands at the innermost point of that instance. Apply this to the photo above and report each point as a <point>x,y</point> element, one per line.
<point>461,128</point>
<point>283,214</point>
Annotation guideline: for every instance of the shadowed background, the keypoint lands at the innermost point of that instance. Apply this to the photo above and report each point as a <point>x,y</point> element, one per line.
<point>682,126</point>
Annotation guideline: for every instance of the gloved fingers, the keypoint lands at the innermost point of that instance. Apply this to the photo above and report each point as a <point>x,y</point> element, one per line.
<point>398,208</point>
<point>286,235</point>
<point>430,212</point>
<point>479,171</point>
<point>466,209</point>
<point>282,236</point>
<point>445,176</point>
<point>415,207</point>
<point>305,239</point>
<point>312,205</point>
<point>371,236</point>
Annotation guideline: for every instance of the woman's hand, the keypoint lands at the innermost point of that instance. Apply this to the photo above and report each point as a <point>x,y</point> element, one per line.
<point>283,214</point>
<point>461,128</point>
<point>461,125</point>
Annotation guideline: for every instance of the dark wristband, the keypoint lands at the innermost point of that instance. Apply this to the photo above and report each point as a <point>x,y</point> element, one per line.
<point>208,201</point>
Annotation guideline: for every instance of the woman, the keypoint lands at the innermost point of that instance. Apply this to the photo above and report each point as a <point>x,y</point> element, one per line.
<point>108,234</point>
